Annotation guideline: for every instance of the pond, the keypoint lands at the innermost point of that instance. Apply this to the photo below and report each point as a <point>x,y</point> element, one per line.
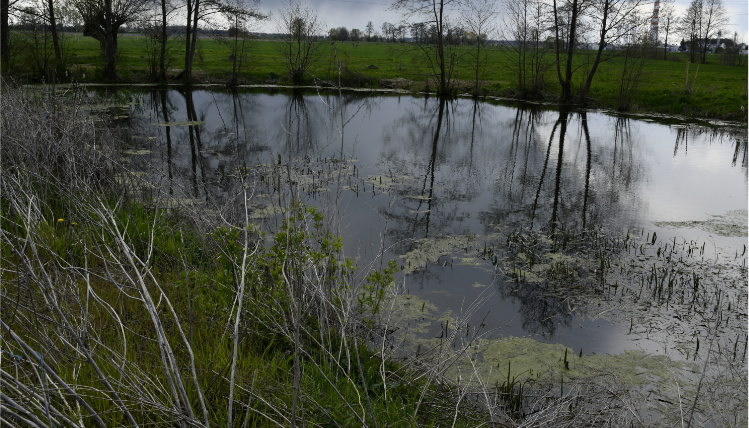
<point>602,233</point>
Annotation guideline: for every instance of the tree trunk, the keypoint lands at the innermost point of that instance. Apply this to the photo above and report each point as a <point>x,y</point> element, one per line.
<point>665,42</point>
<point>567,84</point>
<point>191,42</point>
<point>193,12</point>
<point>441,50</point>
<point>162,56</point>
<point>692,48</point>
<point>478,64</point>
<point>110,41</point>
<point>565,80</point>
<point>188,37</point>
<point>601,45</point>
<point>53,28</point>
<point>235,53</point>
<point>107,37</point>
<point>4,32</point>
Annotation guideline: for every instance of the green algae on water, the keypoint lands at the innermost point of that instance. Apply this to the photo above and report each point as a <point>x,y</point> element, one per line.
<point>732,223</point>
<point>180,123</point>
<point>430,250</point>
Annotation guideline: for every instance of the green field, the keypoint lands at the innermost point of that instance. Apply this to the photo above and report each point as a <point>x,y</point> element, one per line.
<point>719,91</point>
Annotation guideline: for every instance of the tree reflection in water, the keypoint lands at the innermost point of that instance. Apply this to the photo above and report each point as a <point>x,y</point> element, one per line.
<point>442,169</point>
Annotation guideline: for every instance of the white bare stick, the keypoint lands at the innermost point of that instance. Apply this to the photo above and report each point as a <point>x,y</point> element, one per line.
<point>242,281</point>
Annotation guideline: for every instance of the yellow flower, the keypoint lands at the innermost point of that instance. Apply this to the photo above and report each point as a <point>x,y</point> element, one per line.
<point>59,220</point>
<point>75,224</point>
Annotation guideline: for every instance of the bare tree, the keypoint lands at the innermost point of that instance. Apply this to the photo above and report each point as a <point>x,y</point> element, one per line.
<point>388,31</point>
<point>239,13</point>
<point>155,25</point>
<point>525,24</point>
<point>439,56</point>
<point>607,16</point>
<point>667,15</point>
<point>47,16</point>
<point>32,48</point>
<point>369,30</point>
<point>418,32</point>
<point>163,40</point>
<point>197,12</point>
<point>731,54</point>
<point>102,20</point>
<point>571,20</point>
<point>712,19</point>
<point>689,25</point>
<point>300,27</point>
<point>632,72</point>
<point>566,16</point>
<point>478,19</point>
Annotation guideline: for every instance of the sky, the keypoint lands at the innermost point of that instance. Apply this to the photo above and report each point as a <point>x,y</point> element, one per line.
<point>356,13</point>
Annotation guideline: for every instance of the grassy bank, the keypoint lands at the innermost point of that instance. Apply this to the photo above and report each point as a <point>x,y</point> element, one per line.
<point>118,312</point>
<point>717,91</point>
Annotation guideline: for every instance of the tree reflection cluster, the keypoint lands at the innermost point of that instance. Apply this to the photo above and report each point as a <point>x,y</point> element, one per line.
<point>736,135</point>
<point>421,169</point>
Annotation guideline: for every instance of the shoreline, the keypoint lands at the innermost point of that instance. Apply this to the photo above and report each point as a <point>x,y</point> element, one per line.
<point>640,114</point>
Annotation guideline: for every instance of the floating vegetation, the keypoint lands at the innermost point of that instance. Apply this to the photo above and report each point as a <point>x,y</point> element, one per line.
<point>309,176</point>
<point>733,223</point>
<point>258,211</point>
<point>137,152</point>
<point>685,301</point>
<point>111,105</point>
<point>661,284</point>
<point>522,371</point>
<point>413,315</point>
<point>540,362</point>
<point>419,197</point>
<point>386,183</point>
<point>180,123</point>
<point>432,249</point>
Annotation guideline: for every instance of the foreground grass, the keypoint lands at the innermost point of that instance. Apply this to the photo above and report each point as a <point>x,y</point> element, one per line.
<point>116,312</point>
<point>719,91</point>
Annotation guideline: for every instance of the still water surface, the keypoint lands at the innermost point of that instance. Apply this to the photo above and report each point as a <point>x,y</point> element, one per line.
<point>410,178</point>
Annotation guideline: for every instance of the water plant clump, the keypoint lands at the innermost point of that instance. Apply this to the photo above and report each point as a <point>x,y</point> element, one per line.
<point>733,223</point>
<point>683,301</point>
<point>686,300</point>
